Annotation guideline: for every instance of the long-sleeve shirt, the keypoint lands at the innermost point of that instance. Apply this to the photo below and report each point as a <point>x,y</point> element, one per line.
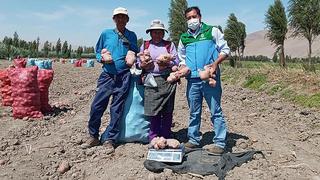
<point>155,51</point>
<point>118,48</point>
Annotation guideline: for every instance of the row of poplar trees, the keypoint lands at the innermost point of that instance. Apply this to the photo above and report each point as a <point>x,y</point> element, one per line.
<point>12,47</point>
<point>303,18</point>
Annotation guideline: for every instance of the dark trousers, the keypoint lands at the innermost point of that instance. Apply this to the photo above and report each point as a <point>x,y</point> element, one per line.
<point>109,85</point>
<point>160,125</point>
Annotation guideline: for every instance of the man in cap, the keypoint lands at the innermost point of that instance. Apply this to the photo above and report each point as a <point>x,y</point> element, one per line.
<point>111,51</point>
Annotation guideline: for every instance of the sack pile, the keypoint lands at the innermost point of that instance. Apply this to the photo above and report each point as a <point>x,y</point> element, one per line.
<point>27,88</point>
<point>5,88</point>
<point>78,63</point>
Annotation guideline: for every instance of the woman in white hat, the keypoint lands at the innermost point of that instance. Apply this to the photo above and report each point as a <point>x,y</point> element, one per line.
<point>157,57</point>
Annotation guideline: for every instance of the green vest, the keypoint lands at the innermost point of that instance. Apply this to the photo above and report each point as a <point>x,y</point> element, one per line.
<point>205,34</point>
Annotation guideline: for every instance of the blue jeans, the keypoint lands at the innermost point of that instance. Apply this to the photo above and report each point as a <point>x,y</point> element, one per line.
<point>196,91</point>
<point>109,85</point>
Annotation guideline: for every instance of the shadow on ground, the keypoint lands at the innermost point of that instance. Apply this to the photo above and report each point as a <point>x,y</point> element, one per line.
<point>207,137</point>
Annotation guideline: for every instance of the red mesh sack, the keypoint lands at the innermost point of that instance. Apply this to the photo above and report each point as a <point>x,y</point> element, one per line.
<point>20,62</point>
<point>78,63</point>
<point>45,77</point>
<point>25,92</point>
<point>5,88</point>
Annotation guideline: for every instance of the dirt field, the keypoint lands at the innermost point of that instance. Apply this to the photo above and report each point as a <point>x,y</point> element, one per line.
<point>288,135</point>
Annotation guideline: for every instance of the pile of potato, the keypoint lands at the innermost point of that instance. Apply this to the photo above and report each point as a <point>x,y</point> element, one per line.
<point>162,143</point>
<point>208,74</point>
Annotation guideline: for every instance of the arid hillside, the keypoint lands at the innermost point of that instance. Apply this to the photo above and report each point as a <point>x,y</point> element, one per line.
<point>258,44</point>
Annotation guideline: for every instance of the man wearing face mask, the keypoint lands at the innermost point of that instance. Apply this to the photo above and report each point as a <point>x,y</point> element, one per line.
<point>203,45</point>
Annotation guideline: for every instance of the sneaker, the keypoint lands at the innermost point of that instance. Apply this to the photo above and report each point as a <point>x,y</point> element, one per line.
<point>189,145</point>
<point>215,149</point>
<point>90,142</point>
<point>109,147</point>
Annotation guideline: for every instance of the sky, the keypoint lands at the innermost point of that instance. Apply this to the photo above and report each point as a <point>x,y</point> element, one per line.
<point>80,22</point>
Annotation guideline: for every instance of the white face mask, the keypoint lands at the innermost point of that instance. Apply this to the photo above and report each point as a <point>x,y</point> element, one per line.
<point>193,23</point>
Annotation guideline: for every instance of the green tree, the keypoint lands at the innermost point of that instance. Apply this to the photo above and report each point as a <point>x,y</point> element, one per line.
<point>243,35</point>
<point>277,28</point>
<point>7,41</point>
<point>91,50</point>
<point>23,44</point>
<point>58,47</point>
<point>304,18</point>
<point>38,44</point>
<point>140,42</point>
<point>69,51</point>
<point>46,48</point>
<point>177,20</point>
<point>15,39</point>
<point>235,34</point>
<point>64,50</point>
<point>33,48</point>
<point>50,47</point>
<point>3,50</point>
<point>79,51</point>
<point>275,57</point>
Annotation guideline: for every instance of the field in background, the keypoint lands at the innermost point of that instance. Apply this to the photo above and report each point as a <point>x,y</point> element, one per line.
<point>293,83</point>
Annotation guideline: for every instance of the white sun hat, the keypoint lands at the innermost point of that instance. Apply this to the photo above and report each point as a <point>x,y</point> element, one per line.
<point>156,24</point>
<point>120,10</point>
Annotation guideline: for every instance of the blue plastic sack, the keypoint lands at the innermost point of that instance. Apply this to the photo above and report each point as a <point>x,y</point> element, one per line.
<point>134,125</point>
<point>44,64</point>
<point>90,63</point>
<point>30,62</point>
<point>72,61</point>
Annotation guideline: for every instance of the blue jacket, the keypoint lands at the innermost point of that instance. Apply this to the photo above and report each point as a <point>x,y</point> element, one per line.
<point>110,40</point>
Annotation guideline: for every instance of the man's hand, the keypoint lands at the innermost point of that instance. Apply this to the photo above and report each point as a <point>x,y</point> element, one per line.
<point>106,57</point>
<point>213,69</point>
<point>130,58</point>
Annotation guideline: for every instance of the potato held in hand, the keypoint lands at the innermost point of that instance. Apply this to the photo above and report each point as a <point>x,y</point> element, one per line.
<point>165,58</point>
<point>130,58</point>
<point>106,56</point>
<point>174,68</point>
<point>145,56</point>
<point>184,71</point>
<point>181,72</point>
<point>173,77</point>
<point>205,75</point>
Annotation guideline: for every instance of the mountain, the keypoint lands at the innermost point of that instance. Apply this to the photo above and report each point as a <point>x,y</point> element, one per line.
<point>257,44</point>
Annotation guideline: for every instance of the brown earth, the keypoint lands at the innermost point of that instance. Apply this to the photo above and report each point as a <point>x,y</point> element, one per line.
<point>288,135</point>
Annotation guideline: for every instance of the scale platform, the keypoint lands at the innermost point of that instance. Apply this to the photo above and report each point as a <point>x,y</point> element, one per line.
<point>166,155</point>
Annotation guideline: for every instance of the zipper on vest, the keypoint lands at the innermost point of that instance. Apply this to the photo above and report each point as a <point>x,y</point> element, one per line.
<point>195,55</point>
